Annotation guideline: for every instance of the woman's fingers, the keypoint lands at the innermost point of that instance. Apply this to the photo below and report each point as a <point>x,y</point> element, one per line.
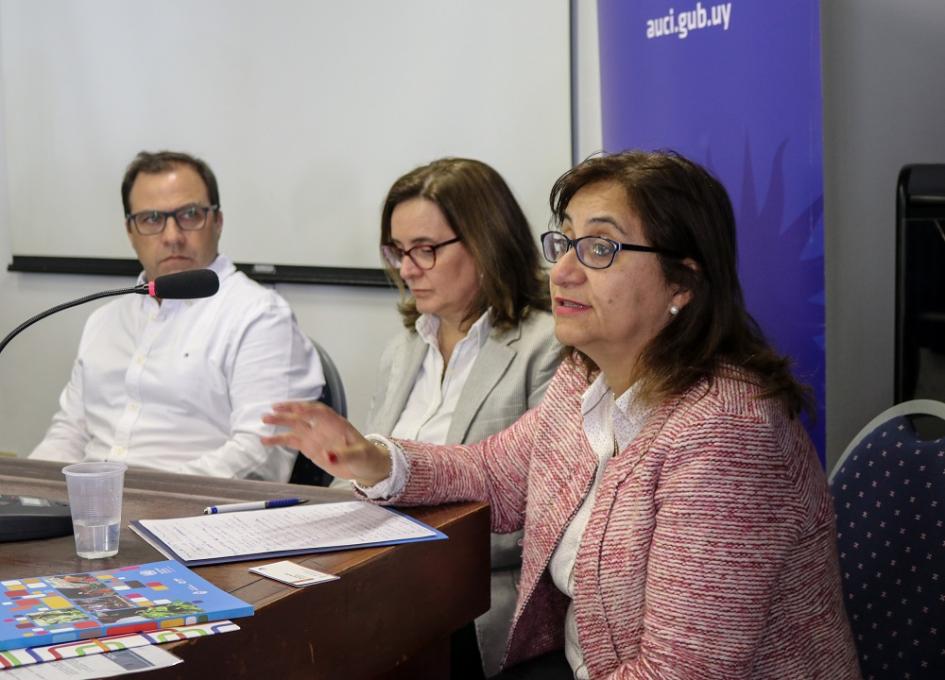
<point>327,439</point>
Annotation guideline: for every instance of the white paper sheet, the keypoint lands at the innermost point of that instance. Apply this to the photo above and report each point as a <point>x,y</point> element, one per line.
<point>299,528</point>
<point>292,574</point>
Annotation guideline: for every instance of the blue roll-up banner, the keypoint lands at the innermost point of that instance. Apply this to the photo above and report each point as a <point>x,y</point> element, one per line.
<point>735,86</point>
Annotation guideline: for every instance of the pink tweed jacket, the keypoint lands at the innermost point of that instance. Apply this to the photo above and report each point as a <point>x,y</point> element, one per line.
<point>710,551</point>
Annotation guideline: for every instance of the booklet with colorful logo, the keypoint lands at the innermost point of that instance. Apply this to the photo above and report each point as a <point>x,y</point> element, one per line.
<point>47,610</point>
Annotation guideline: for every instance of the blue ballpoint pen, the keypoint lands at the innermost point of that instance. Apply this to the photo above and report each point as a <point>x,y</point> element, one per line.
<point>253,505</point>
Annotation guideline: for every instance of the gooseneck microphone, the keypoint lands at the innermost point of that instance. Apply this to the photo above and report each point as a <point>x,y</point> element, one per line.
<point>188,285</point>
<point>196,283</point>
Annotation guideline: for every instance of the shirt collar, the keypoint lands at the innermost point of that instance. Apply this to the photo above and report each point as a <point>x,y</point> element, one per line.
<point>428,326</point>
<point>626,408</point>
<point>629,413</point>
<point>593,394</point>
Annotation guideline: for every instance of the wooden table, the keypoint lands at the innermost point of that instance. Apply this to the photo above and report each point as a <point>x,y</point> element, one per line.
<point>389,615</point>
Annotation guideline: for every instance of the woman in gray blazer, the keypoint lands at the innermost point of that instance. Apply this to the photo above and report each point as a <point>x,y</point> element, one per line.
<point>478,349</point>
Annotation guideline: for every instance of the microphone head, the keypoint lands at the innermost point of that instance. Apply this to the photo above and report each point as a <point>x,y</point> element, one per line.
<point>195,283</point>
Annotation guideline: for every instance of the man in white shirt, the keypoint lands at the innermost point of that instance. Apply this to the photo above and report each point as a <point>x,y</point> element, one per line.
<point>181,385</point>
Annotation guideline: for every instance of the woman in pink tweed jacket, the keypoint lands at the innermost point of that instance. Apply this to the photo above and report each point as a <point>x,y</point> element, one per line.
<point>677,520</point>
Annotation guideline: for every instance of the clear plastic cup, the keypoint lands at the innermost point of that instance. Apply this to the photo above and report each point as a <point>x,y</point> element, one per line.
<point>95,491</point>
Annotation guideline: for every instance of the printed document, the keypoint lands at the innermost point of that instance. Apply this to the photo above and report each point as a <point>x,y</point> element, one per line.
<point>294,530</point>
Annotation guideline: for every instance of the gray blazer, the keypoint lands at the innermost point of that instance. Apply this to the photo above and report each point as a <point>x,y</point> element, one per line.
<point>509,377</point>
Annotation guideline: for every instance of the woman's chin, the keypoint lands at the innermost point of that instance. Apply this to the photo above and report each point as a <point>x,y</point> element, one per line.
<point>425,308</point>
<point>568,333</point>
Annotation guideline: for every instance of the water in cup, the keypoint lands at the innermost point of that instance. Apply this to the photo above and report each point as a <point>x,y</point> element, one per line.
<point>95,491</point>
<point>96,540</point>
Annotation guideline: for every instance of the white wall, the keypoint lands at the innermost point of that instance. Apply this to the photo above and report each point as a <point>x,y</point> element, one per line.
<point>585,65</point>
<point>306,110</point>
<point>884,107</point>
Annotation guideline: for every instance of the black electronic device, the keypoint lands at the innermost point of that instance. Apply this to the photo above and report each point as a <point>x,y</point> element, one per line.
<point>28,517</point>
<point>920,289</point>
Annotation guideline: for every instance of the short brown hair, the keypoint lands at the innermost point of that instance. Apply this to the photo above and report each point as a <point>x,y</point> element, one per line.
<point>483,213</point>
<point>162,161</point>
<point>685,210</point>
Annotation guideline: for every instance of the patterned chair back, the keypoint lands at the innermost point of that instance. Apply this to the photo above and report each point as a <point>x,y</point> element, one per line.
<point>889,494</point>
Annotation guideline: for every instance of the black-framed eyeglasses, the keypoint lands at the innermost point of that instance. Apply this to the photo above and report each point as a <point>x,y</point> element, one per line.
<point>424,255</point>
<point>188,218</point>
<point>595,252</point>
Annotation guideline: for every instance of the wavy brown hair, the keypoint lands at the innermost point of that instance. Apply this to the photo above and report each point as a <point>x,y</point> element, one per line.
<point>483,213</point>
<point>684,209</point>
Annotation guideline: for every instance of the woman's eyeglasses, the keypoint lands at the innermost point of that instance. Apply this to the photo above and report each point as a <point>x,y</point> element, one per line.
<point>424,256</point>
<point>595,252</point>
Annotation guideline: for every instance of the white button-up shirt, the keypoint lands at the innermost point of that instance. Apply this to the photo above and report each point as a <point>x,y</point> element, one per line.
<point>429,409</point>
<point>181,386</point>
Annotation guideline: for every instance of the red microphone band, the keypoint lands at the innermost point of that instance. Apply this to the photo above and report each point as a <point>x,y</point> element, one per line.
<point>151,288</point>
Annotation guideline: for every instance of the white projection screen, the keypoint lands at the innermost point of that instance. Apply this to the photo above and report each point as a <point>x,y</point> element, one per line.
<point>307,110</point>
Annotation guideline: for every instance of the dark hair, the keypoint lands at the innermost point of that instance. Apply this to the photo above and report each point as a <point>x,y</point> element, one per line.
<point>162,161</point>
<point>684,209</point>
<point>483,213</point>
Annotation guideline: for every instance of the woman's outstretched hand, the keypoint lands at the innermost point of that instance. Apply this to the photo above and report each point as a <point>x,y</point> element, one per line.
<point>329,441</point>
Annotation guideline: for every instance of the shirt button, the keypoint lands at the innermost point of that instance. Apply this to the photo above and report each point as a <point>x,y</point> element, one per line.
<point>119,452</point>
<point>139,360</point>
<point>134,406</point>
